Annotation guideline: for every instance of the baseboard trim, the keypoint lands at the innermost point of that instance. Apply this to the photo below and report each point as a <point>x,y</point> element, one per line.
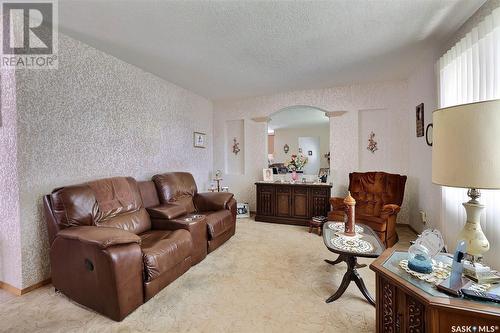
<point>409,227</point>
<point>18,292</point>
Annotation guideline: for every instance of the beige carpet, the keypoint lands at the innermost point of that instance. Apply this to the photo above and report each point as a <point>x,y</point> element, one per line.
<point>267,278</point>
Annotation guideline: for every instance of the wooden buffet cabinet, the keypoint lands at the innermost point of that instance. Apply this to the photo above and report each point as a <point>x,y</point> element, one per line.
<point>406,304</point>
<point>291,203</point>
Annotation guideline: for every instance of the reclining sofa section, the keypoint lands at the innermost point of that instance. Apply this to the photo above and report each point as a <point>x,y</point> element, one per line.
<point>115,243</point>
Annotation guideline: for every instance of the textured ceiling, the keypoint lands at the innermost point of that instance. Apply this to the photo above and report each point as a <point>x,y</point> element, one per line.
<point>231,49</point>
<point>297,117</point>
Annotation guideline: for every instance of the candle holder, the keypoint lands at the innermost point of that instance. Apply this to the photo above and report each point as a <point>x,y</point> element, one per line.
<point>350,223</point>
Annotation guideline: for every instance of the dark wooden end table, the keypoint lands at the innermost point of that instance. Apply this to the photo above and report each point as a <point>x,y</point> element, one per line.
<point>365,244</point>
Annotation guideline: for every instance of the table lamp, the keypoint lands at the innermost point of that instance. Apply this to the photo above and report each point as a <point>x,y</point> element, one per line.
<point>466,153</point>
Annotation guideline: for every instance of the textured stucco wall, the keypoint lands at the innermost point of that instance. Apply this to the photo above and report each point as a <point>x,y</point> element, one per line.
<point>97,116</point>
<point>344,146</point>
<point>10,233</point>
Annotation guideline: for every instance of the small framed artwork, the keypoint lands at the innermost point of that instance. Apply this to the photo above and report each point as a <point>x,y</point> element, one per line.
<point>267,174</point>
<point>323,174</point>
<point>199,140</point>
<point>310,152</point>
<point>420,119</point>
<point>242,210</point>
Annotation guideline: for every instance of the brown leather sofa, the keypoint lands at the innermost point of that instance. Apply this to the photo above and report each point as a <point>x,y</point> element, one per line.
<point>109,253</point>
<point>378,196</point>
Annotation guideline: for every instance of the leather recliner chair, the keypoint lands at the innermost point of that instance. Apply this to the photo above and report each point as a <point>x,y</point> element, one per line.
<point>378,196</point>
<point>177,190</point>
<point>105,253</point>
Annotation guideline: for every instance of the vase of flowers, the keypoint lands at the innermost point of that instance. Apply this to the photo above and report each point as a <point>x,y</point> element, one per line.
<point>296,164</point>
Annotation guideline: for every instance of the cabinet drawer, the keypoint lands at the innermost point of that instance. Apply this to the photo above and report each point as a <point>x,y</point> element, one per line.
<point>320,191</point>
<point>283,189</point>
<point>302,191</point>
<point>265,188</point>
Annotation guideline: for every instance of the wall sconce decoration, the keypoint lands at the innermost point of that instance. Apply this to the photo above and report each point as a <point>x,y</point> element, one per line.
<point>310,152</point>
<point>372,144</point>
<point>236,146</point>
<point>327,156</point>
<point>428,134</point>
<point>286,148</point>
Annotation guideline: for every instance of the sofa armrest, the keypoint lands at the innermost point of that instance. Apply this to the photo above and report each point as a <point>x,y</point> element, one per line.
<point>337,203</point>
<point>388,210</point>
<point>100,268</point>
<point>166,211</point>
<point>103,237</point>
<point>212,201</point>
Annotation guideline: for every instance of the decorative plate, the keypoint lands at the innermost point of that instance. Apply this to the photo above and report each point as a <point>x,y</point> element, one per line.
<point>352,244</point>
<point>340,227</point>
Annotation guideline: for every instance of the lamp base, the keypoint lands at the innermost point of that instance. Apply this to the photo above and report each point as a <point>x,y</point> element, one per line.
<point>477,244</point>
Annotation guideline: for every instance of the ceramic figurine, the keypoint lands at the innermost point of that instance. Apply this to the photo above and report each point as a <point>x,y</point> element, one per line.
<point>350,223</point>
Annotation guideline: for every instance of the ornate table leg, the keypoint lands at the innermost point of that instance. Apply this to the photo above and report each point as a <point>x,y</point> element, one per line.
<point>346,280</point>
<point>351,275</point>
<point>341,258</point>
<point>361,285</point>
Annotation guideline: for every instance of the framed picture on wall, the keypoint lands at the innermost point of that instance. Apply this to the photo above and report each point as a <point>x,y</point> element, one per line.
<point>199,140</point>
<point>420,119</point>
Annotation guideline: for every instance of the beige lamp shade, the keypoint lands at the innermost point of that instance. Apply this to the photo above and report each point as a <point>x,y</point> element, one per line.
<point>466,145</point>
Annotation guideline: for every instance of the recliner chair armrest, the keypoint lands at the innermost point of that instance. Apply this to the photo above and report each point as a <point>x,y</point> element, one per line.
<point>388,210</point>
<point>99,267</point>
<point>211,201</point>
<point>337,203</point>
<point>166,211</point>
<point>103,237</point>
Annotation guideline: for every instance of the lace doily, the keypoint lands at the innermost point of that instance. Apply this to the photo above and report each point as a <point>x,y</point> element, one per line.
<point>352,244</point>
<point>340,227</point>
<point>440,272</point>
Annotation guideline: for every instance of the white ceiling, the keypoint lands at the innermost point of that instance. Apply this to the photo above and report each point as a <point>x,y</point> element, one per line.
<point>297,117</point>
<point>230,49</point>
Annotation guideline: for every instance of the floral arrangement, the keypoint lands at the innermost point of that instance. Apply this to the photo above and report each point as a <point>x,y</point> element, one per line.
<point>297,162</point>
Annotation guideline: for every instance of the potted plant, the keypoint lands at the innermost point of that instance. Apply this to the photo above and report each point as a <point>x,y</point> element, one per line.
<point>296,164</point>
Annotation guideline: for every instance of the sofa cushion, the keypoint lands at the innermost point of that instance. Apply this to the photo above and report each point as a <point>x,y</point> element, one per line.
<point>110,202</point>
<point>176,187</point>
<point>162,250</point>
<point>218,222</point>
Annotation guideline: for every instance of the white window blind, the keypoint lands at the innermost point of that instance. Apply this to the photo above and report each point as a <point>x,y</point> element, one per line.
<point>470,72</point>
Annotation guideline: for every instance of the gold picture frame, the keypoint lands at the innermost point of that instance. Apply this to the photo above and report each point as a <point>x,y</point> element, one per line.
<point>199,140</point>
